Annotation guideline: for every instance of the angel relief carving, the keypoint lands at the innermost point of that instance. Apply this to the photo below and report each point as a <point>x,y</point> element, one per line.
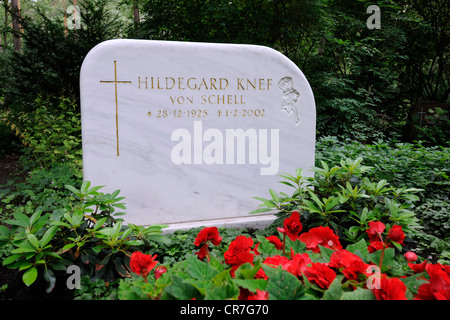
<point>290,97</point>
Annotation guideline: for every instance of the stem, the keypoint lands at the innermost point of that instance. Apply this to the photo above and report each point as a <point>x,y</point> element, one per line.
<point>284,243</point>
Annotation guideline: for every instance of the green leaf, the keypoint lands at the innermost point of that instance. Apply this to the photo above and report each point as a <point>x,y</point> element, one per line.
<point>247,270</point>
<point>283,285</point>
<point>388,258</point>
<point>360,249</point>
<point>30,276</point>
<point>200,270</point>
<point>48,236</point>
<point>265,247</point>
<point>251,284</point>
<point>11,259</point>
<point>335,290</point>
<point>33,240</point>
<point>182,290</point>
<point>274,196</point>
<point>21,220</point>
<point>297,246</point>
<point>358,294</point>
<point>71,188</point>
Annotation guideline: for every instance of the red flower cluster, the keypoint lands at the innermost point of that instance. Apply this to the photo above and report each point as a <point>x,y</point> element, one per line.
<point>142,264</point>
<point>357,273</point>
<point>438,285</point>
<point>205,235</point>
<point>351,264</point>
<point>239,252</point>
<point>320,235</point>
<point>292,226</point>
<point>375,233</point>
<point>390,289</point>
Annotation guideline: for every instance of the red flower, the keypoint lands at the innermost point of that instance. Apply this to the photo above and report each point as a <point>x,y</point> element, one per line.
<point>275,261</point>
<point>396,234</point>
<point>321,235</point>
<point>239,252</point>
<point>204,252</point>
<point>390,289</point>
<point>438,287</point>
<point>259,295</point>
<point>245,294</point>
<point>206,234</point>
<point>418,268</point>
<point>297,264</point>
<point>410,256</point>
<point>375,230</point>
<point>375,246</point>
<point>292,226</point>
<point>320,274</point>
<point>142,264</point>
<point>277,242</point>
<point>159,270</point>
<point>352,264</point>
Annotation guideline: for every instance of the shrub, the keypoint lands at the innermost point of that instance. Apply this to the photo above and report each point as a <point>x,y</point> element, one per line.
<point>86,233</point>
<point>402,164</point>
<point>343,198</point>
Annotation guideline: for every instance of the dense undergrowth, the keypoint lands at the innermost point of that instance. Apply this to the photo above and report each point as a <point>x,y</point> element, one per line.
<point>50,219</point>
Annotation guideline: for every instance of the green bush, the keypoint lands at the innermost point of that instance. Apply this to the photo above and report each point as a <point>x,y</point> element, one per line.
<point>343,198</point>
<point>86,233</point>
<point>402,164</point>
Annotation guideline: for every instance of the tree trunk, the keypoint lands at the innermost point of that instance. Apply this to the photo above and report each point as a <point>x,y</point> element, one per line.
<point>4,41</point>
<point>136,16</point>
<point>15,8</point>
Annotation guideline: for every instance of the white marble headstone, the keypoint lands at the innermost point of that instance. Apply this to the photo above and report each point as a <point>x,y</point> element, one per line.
<point>191,132</point>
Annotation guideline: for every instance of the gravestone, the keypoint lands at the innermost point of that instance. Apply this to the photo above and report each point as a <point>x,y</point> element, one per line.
<point>191,132</point>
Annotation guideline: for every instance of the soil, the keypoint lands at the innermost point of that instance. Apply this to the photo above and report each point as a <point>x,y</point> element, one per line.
<point>8,166</point>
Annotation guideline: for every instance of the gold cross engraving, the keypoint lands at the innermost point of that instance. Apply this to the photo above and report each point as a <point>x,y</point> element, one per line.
<point>117,103</point>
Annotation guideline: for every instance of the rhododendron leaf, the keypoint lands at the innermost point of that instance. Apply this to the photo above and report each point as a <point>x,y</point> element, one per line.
<point>358,294</point>
<point>335,290</point>
<point>30,276</point>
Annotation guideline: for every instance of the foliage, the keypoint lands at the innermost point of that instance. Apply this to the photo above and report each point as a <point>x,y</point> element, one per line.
<point>50,136</point>
<point>402,164</point>
<point>301,274</point>
<point>87,233</point>
<point>343,198</point>
<point>50,62</point>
